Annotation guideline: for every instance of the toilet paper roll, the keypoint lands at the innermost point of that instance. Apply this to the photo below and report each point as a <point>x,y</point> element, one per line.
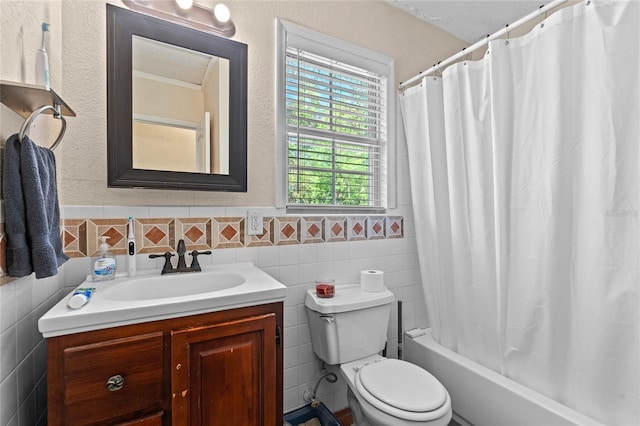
<point>371,280</point>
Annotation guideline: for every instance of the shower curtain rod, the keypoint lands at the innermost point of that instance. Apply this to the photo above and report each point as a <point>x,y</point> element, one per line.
<point>483,42</point>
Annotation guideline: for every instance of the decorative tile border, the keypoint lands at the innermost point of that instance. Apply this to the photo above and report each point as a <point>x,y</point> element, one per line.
<point>228,232</point>
<point>395,227</point>
<point>196,232</point>
<point>152,235</point>
<point>74,237</point>
<point>312,230</point>
<point>114,229</point>
<point>335,229</point>
<point>357,228</point>
<point>376,228</point>
<point>266,238</point>
<point>286,231</point>
<point>81,237</point>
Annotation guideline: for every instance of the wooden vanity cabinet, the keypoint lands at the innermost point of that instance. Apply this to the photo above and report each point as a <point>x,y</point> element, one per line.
<point>220,368</point>
<point>222,371</point>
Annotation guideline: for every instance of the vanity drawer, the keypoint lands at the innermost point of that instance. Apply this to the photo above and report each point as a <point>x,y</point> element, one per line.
<point>113,378</point>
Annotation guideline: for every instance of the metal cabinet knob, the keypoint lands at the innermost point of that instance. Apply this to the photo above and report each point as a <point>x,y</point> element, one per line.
<point>115,383</point>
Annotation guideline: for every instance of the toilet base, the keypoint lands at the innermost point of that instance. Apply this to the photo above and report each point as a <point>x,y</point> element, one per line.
<point>356,409</point>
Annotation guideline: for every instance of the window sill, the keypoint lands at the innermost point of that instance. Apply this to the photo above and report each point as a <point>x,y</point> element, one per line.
<point>334,210</point>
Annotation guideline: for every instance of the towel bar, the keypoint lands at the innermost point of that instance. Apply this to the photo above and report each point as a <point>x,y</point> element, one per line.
<point>25,100</point>
<point>56,114</point>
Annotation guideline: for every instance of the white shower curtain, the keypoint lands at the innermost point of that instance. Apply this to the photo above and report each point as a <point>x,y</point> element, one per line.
<point>526,192</point>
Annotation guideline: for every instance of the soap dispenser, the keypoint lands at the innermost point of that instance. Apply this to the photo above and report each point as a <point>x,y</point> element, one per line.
<point>103,267</point>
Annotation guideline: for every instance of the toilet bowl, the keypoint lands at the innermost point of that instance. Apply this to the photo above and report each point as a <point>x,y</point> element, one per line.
<point>395,392</point>
<point>349,331</point>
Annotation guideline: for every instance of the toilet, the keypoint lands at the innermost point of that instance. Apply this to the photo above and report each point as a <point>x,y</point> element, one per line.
<point>349,330</point>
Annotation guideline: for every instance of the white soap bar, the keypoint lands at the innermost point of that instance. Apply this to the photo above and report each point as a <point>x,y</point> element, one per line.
<point>416,332</point>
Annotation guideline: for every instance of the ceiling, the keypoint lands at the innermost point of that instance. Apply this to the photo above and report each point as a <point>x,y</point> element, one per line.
<point>170,64</point>
<point>469,20</point>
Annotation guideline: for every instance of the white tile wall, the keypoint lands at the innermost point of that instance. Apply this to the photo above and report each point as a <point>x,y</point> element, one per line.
<point>342,262</point>
<point>23,357</point>
<point>23,301</point>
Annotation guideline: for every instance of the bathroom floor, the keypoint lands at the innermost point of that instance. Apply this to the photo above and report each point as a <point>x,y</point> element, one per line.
<point>345,419</point>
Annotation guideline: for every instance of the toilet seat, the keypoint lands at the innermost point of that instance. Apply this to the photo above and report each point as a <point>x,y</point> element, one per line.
<point>403,390</point>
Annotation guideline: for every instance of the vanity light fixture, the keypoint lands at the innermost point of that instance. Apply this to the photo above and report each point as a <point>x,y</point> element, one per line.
<point>184,4</point>
<point>221,12</point>
<point>185,12</point>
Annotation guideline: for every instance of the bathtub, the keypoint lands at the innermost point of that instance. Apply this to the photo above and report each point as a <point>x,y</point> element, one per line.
<point>482,397</point>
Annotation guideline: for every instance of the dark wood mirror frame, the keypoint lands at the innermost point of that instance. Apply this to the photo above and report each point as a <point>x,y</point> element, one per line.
<point>122,24</point>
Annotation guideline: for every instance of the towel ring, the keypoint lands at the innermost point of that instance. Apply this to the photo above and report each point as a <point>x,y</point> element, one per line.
<point>56,114</point>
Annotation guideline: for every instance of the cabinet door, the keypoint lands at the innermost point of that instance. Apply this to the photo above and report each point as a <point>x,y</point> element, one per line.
<point>225,374</point>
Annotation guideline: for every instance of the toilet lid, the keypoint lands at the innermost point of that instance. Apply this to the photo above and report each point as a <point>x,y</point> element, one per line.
<point>403,385</point>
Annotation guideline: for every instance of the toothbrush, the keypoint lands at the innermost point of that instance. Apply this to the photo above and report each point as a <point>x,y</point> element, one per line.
<point>131,250</point>
<point>42,61</point>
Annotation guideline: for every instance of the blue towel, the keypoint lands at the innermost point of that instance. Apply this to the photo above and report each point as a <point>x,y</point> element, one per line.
<point>32,213</point>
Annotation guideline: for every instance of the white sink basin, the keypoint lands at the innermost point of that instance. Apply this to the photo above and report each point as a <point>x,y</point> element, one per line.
<point>176,285</point>
<point>151,297</point>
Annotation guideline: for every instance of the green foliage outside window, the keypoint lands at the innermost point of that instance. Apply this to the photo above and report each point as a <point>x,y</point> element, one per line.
<point>332,137</point>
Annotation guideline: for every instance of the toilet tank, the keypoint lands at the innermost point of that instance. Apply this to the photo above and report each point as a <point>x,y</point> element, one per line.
<point>349,326</point>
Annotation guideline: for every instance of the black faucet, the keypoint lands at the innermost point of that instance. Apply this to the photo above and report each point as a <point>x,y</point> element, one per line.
<point>168,268</point>
<point>181,249</point>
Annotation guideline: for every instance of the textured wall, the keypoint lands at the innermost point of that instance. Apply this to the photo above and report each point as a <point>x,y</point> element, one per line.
<point>23,352</point>
<point>82,155</point>
<point>77,56</point>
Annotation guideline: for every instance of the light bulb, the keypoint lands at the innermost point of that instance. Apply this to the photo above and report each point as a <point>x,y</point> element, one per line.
<point>221,12</point>
<point>184,4</point>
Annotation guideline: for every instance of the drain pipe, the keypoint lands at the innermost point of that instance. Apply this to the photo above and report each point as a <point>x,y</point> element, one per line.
<point>400,333</point>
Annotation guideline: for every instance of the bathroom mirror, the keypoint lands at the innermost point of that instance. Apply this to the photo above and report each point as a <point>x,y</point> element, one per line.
<point>176,106</point>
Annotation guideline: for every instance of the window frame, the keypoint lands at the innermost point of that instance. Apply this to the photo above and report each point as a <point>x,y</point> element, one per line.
<point>348,53</point>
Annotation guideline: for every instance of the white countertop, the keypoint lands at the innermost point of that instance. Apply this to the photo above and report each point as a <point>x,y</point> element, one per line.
<point>105,312</point>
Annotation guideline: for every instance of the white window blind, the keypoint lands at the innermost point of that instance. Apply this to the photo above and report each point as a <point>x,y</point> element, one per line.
<point>335,132</point>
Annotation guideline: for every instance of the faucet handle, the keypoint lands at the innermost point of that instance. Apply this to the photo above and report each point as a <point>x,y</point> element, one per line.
<point>195,265</point>
<point>167,261</point>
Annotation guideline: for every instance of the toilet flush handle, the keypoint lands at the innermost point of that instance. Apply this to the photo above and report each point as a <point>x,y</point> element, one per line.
<point>327,318</point>
<point>330,328</point>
